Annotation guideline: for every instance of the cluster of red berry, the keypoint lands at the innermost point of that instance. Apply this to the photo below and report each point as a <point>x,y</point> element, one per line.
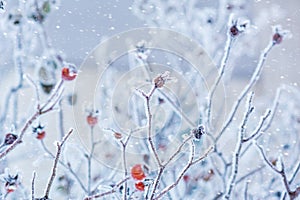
<point>138,174</point>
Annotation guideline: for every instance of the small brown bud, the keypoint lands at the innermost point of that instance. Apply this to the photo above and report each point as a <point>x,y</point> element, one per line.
<point>274,161</point>
<point>159,82</point>
<point>117,135</point>
<point>161,79</point>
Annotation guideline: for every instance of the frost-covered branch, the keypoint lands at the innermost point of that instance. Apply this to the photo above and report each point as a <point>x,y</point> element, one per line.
<point>238,148</point>
<point>253,80</point>
<point>113,190</point>
<point>191,162</point>
<point>292,194</point>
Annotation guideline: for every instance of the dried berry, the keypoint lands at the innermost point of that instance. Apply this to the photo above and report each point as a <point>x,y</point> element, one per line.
<point>234,31</point>
<point>277,38</point>
<point>140,186</point>
<point>237,27</point>
<point>92,120</point>
<point>10,138</point>
<point>198,132</point>
<point>117,135</point>
<point>161,79</point>
<point>274,161</point>
<point>69,73</point>
<point>186,178</point>
<point>137,172</point>
<point>279,34</point>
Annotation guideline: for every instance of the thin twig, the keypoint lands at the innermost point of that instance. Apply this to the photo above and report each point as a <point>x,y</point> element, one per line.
<point>257,132</point>
<point>54,168</point>
<point>292,194</point>
<point>218,79</point>
<point>191,162</point>
<point>235,159</point>
<point>297,169</point>
<point>32,186</point>
<point>50,104</point>
<point>250,174</point>
<point>56,92</point>
<point>30,80</point>
<point>66,166</point>
<point>124,145</point>
<point>89,158</point>
<point>19,65</point>
<point>274,109</point>
<point>113,190</point>
<point>252,82</point>
<point>178,150</point>
<point>19,140</point>
<point>148,98</point>
<point>246,191</point>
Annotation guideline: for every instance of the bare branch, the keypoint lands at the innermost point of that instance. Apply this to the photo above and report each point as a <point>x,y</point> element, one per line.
<point>51,102</point>
<point>148,98</point>
<point>257,132</point>
<point>32,186</point>
<point>218,79</point>
<point>247,88</point>
<point>54,168</point>
<point>191,162</point>
<point>178,150</point>
<point>292,194</point>
<point>113,190</point>
<point>66,166</point>
<point>235,159</point>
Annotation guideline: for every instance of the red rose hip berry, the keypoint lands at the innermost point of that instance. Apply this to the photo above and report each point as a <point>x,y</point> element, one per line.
<point>69,73</point>
<point>140,186</point>
<point>92,120</point>
<point>40,135</point>
<point>137,172</point>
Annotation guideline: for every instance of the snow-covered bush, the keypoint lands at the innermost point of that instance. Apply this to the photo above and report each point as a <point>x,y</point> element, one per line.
<point>166,111</point>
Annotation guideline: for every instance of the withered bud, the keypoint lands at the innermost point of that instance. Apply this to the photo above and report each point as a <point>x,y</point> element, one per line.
<point>279,34</point>
<point>117,135</point>
<point>161,79</point>
<point>274,161</point>
<point>237,27</point>
<point>277,38</point>
<point>10,138</point>
<point>198,132</point>
<point>234,31</point>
